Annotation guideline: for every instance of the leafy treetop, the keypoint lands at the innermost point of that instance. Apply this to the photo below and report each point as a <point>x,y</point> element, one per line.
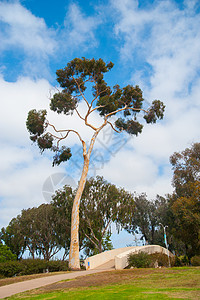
<point>74,79</point>
<point>186,166</point>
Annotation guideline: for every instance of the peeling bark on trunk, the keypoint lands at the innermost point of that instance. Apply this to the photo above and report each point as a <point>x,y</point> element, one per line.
<point>74,262</point>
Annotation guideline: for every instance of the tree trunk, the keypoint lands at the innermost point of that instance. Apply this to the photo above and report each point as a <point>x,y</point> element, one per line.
<point>152,235</point>
<point>33,254</point>
<point>74,262</point>
<point>100,246</point>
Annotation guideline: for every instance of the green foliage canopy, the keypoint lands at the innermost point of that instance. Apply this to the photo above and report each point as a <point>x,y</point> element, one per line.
<point>146,218</point>
<point>74,80</point>
<point>185,202</point>
<point>6,254</point>
<point>101,204</point>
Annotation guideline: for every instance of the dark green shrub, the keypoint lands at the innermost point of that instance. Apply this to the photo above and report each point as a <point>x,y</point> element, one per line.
<point>33,266</point>
<point>145,260</point>
<point>178,262</point>
<point>181,261</point>
<point>6,254</point>
<point>195,260</point>
<point>57,265</point>
<point>184,260</point>
<point>140,260</point>
<point>10,268</point>
<point>161,260</point>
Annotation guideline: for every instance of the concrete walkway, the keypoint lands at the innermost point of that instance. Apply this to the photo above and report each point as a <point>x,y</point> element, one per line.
<point>19,287</point>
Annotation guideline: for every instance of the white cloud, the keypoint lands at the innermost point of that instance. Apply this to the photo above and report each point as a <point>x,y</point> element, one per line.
<point>28,37</point>
<point>17,99</point>
<point>130,169</point>
<point>22,169</point>
<point>21,29</point>
<point>79,28</point>
<point>165,36</point>
<point>22,187</point>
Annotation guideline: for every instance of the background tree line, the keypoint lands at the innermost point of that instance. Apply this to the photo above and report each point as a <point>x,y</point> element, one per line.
<point>46,229</point>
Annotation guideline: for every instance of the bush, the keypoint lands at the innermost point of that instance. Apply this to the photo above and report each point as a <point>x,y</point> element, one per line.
<point>31,266</point>
<point>161,260</point>
<point>145,260</point>
<point>195,260</point>
<point>140,260</point>
<point>57,265</point>
<point>10,268</point>
<point>181,261</point>
<point>177,262</point>
<point>6,254</point>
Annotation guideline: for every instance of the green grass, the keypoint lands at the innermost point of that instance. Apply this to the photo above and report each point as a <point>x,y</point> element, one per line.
<point>175,283</point>
<point>117,292</point>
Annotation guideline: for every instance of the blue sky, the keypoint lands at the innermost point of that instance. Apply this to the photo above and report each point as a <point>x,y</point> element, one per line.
<point>152,43</point>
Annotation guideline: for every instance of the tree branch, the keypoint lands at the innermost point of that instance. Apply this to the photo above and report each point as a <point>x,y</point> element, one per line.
<point>94,138</point>
<point>125,108</point>
<point>81,92</point>
<point>79,114</point>
<point>90,240</point>
<point>65,130</point>
<point>98,96</point>
<point>96,108</point>
<point>106,227</point>
<point>88,222</point>
<point>54,252</point>
<point>114,128</point>
<point>86,122</point>
<point>62,130</point>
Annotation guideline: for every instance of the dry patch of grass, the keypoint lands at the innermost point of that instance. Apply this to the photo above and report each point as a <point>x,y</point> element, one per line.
<point>174,277</point>
<point>100,279</point>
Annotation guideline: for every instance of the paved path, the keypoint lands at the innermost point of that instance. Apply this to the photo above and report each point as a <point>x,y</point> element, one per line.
<point>19,287</point>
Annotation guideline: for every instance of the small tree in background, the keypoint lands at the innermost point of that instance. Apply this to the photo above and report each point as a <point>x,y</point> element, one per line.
<point>125,103</point>
<point>38,230</point>
<point>146,218</point>
<point>102,203</point>
<point>185,203</point>
<point>13,237</point>
<point>41,232</point>
<point>6,254</point>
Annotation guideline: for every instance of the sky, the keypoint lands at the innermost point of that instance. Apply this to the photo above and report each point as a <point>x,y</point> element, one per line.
<point>155,44</point>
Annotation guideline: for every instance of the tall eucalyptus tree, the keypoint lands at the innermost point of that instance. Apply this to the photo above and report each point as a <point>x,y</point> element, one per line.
<point>126,102</point>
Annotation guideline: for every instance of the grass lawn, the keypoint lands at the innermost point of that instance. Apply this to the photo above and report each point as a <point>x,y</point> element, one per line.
<point>173,283</point>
